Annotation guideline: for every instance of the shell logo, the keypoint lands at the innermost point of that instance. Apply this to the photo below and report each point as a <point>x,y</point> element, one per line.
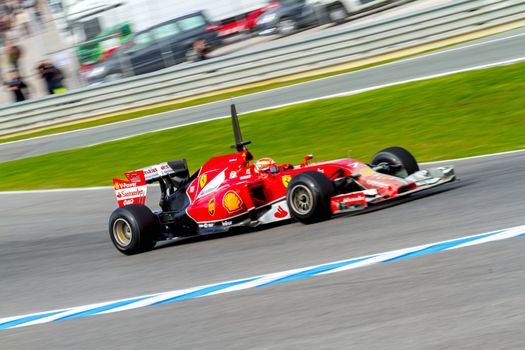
<point>203,181</point>
<point>286,180</point>
<point>232,202</point>
<point>117,186</point>
<point>211,207</point>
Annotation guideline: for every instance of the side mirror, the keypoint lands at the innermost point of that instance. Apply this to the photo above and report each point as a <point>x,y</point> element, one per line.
<point>307,158</point>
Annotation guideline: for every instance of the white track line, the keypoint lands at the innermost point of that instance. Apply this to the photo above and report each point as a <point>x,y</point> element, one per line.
<point>491,155</point>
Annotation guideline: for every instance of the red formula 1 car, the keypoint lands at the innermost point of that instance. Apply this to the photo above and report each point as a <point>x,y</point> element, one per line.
<point>229,191</point>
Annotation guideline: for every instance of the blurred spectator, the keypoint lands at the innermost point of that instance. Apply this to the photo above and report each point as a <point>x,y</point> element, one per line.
<point>56,6</point>
<point>26,3</point>
<point>22,21</point>
<point>17,86</point>
<point>5,25</point>
<point>39,6</point>
<point>201,49</point>
<point>3,30</point>
<point>5,9</point>
<point>13,54</point>
<point>52,76</point>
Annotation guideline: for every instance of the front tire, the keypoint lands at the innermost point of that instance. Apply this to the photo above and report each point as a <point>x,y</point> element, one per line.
<point>308,197</point>
<point>133,229</point>
<point>401,161</point>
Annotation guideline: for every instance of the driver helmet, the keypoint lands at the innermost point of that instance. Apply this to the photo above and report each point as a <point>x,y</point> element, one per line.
<point>264,165</point>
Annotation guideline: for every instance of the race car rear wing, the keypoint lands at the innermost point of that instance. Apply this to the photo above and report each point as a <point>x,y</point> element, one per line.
<point>154,173</point>
<point>169,175</point>
<point>132,191</point>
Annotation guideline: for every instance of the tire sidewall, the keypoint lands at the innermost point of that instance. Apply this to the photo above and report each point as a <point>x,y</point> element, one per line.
<point>315,198</point>
<point>144,228</point>
<point>397,155</point>
<point>321,189</point>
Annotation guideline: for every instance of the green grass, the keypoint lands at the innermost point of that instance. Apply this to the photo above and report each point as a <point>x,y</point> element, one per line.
<point>461,115</point>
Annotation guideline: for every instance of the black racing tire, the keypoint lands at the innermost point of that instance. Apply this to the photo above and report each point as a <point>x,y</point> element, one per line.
<point>133,229</point>
<point>308,197</point>
<point>403,161</point>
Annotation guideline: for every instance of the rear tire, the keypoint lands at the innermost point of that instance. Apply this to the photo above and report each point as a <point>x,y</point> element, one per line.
<point>308,197</point>
<point>133,229</point>
<point>402,161</point>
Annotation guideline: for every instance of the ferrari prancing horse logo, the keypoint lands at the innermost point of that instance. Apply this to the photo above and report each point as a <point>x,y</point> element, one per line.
<point>203,181</point>
<point>286,180</point>
<point>211,207</point>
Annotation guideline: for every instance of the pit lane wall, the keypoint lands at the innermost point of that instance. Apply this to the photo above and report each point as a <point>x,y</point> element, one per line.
<point>323,50</point>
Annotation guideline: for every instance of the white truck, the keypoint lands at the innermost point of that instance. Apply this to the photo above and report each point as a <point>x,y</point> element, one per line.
<point>338,10</point>
<point>89,17</point>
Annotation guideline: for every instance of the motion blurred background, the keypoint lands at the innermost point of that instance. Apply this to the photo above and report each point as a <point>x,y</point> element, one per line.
<point>62,45</point>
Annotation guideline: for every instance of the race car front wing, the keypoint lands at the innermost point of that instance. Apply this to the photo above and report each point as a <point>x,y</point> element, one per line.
<point>360,200</point>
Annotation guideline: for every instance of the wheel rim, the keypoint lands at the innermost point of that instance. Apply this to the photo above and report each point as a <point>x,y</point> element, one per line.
<point>122,232</point>
<point>113,77</point>
<point>337,14</point>
<point>286,27</point>
<point>302,199</point>
<point>401,171</point>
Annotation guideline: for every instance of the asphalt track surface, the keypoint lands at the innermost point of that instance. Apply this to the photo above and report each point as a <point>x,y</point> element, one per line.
<point>55,252</point>
<point>498,48</point>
